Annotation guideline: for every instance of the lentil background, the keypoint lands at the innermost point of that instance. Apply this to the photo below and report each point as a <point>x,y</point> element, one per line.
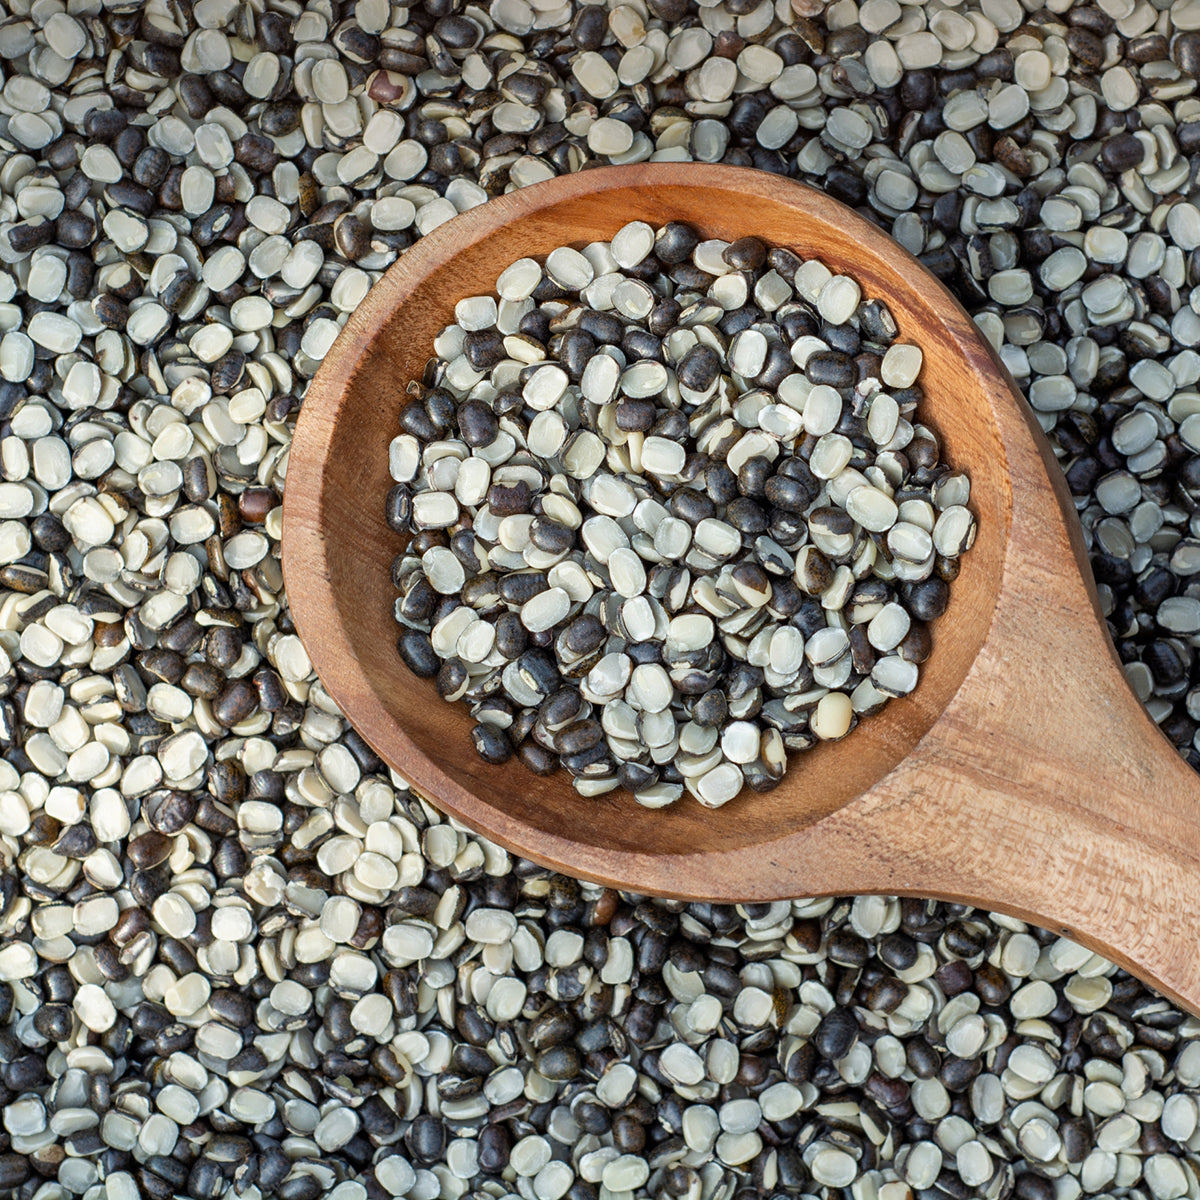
<point>240,957</point>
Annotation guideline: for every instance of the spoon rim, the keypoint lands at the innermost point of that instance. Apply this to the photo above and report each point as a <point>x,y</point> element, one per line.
<point>653,871</point>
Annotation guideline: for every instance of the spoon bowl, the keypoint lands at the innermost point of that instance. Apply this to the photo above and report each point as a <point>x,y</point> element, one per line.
<point>1022,775</point>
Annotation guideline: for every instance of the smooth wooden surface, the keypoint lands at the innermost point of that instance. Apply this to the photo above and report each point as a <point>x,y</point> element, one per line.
<point>1022,775</point>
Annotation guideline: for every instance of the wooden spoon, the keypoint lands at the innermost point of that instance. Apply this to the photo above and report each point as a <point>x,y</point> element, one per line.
<point>1022,776</point>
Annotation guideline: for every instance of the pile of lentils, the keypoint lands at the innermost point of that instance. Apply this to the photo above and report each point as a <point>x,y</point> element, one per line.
<point>238,956</point>
<point>673,514</point>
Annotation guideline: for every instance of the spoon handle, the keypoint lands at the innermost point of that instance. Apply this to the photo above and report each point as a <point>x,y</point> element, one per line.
<point>1078,817</point>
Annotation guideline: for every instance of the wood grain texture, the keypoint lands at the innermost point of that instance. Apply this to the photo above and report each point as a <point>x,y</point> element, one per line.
<point>1022,775</point>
